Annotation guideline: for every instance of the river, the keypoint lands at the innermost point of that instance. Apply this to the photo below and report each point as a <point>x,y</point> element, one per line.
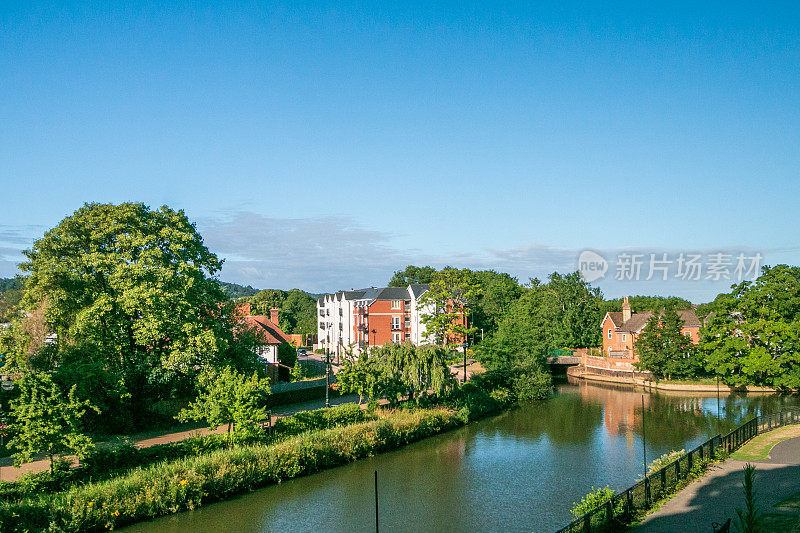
<point>519,471</point>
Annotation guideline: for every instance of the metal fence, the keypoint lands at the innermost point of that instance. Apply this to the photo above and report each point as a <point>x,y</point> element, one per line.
<point>620,510</point>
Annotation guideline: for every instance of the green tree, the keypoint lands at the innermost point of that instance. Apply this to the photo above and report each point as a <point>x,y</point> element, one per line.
<point>752,334</point>
<point>412,274</point>
<point>563,313</point>
<point>297,371</point>
<point>448,304</point>
<point>299,313</point>
<point>133,286</point>
<point>498,293</point>
<point>664,350</point>
<point>45,420</point>
<point>229,397</point>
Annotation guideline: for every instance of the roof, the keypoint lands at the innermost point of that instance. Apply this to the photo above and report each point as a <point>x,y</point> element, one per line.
<point>392,293</point>
<point>616,317</point>
<point>638,321</point>
<point>266,329</point>
<point>418,288</point>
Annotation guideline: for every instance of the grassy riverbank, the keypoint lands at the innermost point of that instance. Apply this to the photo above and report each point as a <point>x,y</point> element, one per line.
<point>162,483</point>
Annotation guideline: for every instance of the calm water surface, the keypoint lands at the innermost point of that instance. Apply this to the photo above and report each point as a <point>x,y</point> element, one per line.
<point>519,471</point>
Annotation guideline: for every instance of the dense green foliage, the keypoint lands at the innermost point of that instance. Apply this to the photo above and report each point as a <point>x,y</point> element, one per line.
<point>640,304</point>
<point>182,484</point>
<point>235,291</point>
<point>664,350</point>
<point>298,309</point>
<point>562,313</point>
<point>228,397</point>
<point>452,295</point>
<point>753,333</point>
<point>11,292</point>
<point>591,501</point>
<point>412,274</point>
<point>47,421</point>
<point>395,371</point>
<point>121,304</point>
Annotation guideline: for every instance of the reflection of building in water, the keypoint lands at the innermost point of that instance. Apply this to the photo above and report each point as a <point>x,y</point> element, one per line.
<point>623,407</point>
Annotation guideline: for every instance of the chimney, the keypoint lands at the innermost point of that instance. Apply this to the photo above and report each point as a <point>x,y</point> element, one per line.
<point>273,315</point>
<point>626,310</point>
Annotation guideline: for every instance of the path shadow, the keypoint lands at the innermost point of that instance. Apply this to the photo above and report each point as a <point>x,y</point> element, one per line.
<point>717,499</point>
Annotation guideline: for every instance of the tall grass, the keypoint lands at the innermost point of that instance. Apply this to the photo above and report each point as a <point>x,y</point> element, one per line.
<point>187,483</point>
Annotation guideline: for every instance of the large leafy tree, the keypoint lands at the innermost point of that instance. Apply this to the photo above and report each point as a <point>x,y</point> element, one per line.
<point>131,289</point>
<point>412,274</point>
<point>448,304</point>
<point>664,350</point>
<point>47,420</point>
<point>562,313</point>
<point>752,334</point>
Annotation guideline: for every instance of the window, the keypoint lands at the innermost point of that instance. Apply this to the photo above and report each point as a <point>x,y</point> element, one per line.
<point>396,304</point>
<point>408,336</point>
<point>408,322</point>
<point>395,322</point>
<point>623,337</point>
<point>609,334</point>
<point>395,337</point>
<point>688,334</point>
<point>408,305</point>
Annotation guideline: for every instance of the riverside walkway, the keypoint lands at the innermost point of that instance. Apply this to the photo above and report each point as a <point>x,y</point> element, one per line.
<point>8,472</point>
<point>716,496</point>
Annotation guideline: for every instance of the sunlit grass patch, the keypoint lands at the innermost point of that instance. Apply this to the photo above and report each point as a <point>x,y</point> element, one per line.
<point>758,448</point>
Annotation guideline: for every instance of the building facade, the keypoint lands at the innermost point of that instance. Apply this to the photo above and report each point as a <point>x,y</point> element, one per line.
<point>621,329</point>
<point>357,319</point>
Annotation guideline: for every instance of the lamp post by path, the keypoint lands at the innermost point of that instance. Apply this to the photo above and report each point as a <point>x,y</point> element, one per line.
<point>464,346</point>
<point>327,377</point>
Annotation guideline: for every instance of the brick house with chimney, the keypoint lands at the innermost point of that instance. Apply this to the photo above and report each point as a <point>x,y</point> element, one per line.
<point>270,333</point>
<point>621,329</point>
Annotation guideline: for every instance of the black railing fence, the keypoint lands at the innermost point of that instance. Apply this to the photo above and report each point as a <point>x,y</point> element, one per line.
<point>624,505</point>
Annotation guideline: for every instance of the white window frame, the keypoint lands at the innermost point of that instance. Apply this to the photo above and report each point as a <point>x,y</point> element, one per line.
<point>609,333</point>
<point>397,304</point>
<point>396,337</point>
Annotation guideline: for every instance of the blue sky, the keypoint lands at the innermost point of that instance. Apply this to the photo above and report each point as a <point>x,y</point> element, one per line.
<point>323,145</point>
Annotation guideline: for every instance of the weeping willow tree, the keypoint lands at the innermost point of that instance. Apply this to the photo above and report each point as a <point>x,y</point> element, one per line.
<point>394,371</point>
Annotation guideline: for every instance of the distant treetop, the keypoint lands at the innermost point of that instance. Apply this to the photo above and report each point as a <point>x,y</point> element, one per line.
<point>234,290</point>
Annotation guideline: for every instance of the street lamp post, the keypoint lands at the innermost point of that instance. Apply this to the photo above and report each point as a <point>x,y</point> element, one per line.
<point>465,345</point>
<point>327,377</point>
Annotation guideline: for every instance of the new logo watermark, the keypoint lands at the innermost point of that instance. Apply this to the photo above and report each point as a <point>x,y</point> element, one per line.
<point>728,265</point>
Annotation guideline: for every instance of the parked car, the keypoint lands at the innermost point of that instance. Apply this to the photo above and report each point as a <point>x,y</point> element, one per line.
<point>302,351</point>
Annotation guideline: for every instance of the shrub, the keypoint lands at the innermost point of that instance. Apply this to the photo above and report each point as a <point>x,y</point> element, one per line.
<point>591,501</point>
<point>172,486</point>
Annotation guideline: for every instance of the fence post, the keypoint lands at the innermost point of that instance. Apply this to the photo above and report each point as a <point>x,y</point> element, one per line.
<point>629,504</point>
<point>663,480</point>
<point>689,462</point>
<point>677,470</point>
<point>647,491</point>
<point>587,523</point>
<point>610,511</point>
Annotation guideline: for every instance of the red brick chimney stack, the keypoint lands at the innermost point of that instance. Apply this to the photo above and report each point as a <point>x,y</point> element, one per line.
<point>273,315</point>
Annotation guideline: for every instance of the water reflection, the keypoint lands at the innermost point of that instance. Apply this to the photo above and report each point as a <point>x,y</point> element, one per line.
<point>519,471</point>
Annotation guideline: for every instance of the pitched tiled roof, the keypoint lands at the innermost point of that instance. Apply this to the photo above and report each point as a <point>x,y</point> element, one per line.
<point>639,320</point>
<point>266,329</point>
<point>616,317</point>
<point>418,288</point>
<point>393,293</point>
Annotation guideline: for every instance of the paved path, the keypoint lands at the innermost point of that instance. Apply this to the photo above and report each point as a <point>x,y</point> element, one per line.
<point>716,496</point>
<point>144,440</point>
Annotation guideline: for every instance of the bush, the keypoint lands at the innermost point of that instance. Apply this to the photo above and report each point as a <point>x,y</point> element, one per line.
<point>324,418</point>
<point>532,383</point>
<point>169,487</point>
<point>591,501</point>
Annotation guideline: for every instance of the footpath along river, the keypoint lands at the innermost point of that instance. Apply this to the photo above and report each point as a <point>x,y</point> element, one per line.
<point>519,471</point>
